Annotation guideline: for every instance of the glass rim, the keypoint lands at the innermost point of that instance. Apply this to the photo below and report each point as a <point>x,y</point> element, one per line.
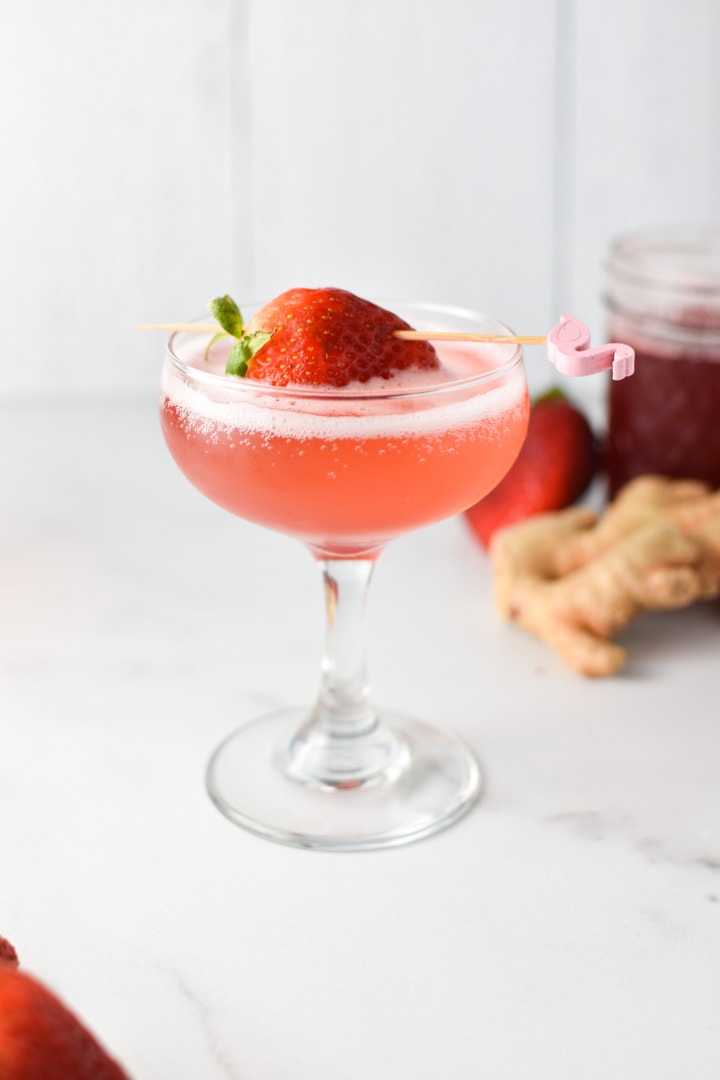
<point>256,387</point>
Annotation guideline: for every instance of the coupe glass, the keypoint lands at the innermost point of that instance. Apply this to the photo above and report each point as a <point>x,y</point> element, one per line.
<point>345,472</point>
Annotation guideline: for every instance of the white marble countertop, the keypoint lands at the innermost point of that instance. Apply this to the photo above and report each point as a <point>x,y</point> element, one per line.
<point>568,927</point>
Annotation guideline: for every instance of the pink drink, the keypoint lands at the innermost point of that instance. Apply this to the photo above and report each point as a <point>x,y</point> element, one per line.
<point>347,473</point>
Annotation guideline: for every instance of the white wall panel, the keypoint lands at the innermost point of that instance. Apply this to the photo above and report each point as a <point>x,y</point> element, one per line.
<point>478,152</point>
<point>646,136</point>
<point>406,148</point>
<point>115,184</point>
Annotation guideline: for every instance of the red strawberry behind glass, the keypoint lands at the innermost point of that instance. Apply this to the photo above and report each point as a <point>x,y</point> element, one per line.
<point>557,462</point>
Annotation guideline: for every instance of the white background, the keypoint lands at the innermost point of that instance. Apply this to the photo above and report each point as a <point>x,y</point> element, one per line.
<point>477,152</point>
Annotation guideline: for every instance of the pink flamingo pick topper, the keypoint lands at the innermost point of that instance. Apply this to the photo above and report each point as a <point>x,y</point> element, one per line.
<point>568,349</point>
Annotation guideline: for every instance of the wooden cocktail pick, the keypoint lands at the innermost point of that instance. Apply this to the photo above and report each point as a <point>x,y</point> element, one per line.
<point>458,335</point>
<point>181,327</point>
<point>568,344</point>
<point>406,335</point>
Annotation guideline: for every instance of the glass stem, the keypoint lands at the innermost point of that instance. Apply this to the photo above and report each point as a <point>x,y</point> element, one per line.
<point>343,707</point>
<point>344,744</point>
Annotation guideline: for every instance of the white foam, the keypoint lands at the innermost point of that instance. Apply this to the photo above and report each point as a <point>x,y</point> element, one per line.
<point>231,407</point>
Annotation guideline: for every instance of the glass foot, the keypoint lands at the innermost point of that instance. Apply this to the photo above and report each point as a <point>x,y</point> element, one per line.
<point>425,780</point>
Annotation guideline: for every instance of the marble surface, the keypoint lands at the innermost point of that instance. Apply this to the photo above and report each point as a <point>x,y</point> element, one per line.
<point>568,927</point>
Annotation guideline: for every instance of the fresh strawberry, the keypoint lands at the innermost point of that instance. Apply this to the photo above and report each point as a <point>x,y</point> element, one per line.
<point>558,460</point>
<point>319,337</point>
<point>7,953</point>
<point>40,1039</point>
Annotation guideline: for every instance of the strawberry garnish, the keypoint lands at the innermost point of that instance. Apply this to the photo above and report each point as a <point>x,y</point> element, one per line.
<point>556,464</point>
<point>320,337</point>
<point>40,1039</point>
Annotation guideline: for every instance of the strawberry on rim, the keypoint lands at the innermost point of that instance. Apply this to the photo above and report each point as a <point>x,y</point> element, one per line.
<point>319,337</point>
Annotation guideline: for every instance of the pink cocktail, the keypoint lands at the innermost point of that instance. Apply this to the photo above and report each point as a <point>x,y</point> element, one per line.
<point>346,471</point>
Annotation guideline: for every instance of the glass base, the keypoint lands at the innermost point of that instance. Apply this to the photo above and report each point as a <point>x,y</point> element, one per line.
<point>258,781</point>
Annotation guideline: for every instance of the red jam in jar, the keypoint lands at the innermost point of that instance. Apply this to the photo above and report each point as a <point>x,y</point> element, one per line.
<point>663,298</point>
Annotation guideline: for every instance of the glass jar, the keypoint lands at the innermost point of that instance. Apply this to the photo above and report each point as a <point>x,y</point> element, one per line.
<point>663,298</point>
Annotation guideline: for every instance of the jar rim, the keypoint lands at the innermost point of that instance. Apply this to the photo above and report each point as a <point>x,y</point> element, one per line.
<point>680,259</point>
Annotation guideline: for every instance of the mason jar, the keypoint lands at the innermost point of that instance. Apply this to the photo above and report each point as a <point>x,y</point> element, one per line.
<point>663,298</point>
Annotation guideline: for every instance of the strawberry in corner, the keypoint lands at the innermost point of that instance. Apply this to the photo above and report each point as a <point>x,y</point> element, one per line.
<point>318,337</point>
<point>556,464</point>
<point>40,1039</point>
<point>7,954</point>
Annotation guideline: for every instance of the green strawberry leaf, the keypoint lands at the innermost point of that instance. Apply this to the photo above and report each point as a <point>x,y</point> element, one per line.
<point>243,351</point>
<point>237,361</point>
<point>227,314</point>
<point>554,393</point>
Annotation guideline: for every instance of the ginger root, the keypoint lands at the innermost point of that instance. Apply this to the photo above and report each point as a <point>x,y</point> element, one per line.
<point>575,579</point>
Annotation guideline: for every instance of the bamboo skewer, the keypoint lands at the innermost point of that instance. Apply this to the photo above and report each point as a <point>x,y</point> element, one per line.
<point>182,327</point>
<point>406,335</point>
<point>567,344</point>
<point>456,335</point>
